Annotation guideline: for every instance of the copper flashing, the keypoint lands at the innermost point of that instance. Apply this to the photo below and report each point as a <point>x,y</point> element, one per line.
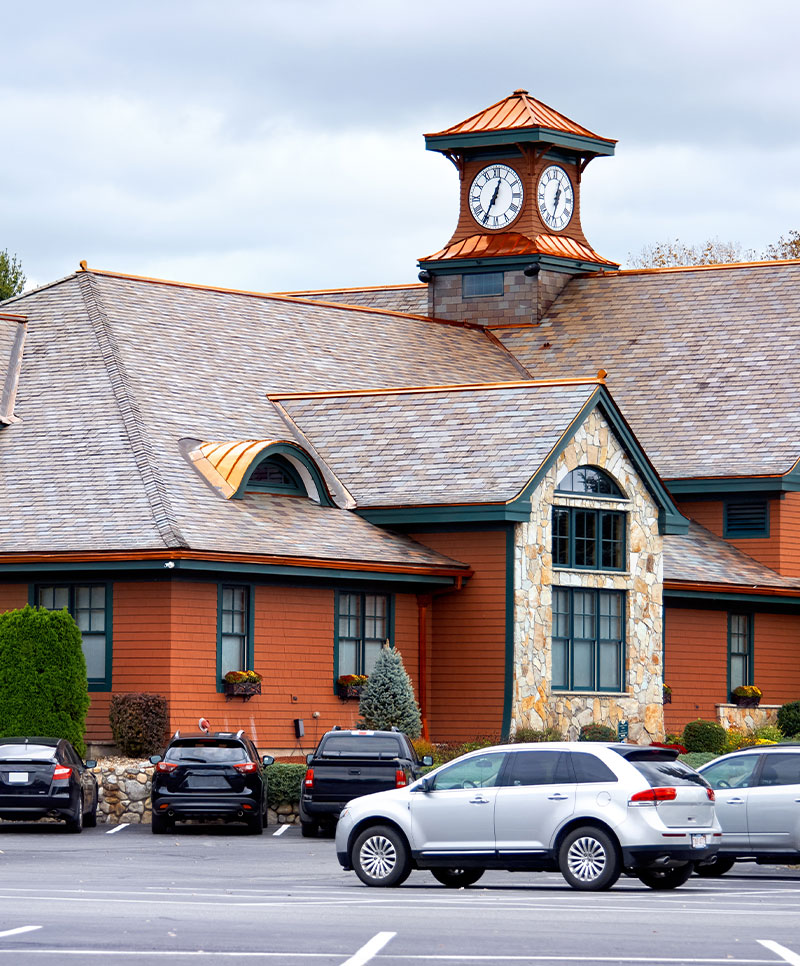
<point>672,269</point>
<point>722,588</point>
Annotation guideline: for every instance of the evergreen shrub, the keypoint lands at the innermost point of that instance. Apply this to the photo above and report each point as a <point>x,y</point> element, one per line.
<point>43,688</point>
<point>139,723</point>
<point>388,697</point>
<point>525,735</point>
<point>789,719</point>
<point>697,758</point>
<point>284,781</point>
<point>699,735</point>
<point>597,732</point>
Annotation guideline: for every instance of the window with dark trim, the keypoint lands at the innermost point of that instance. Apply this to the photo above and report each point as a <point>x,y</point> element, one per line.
<point>234,628</point>
<point>746,518</point>
<point>588,539</point>
<point>276,475</point>
<point>740,650</point>
<point>590,480</point>
<point>588,651</point>
<point>90,607</point>
<point>363,625</point>
<point>482,285</point>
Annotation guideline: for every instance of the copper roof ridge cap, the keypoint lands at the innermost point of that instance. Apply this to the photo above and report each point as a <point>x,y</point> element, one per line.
<point>355,288</point>
<point>666,269</point>
<point>457,387</point>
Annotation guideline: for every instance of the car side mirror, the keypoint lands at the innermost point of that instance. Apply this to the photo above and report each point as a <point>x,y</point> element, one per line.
<point>309,759</point>
<point>424,785</point>
<point>155,759</point>
<point>268,760</point>
<point>427,760</point>
<point>90,763</point>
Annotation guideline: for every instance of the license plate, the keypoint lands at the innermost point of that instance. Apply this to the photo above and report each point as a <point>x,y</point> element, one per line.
<point>699,841</point>
<point>18,776</point>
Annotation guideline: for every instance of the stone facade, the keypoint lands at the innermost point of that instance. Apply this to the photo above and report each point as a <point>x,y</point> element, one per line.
<point>524,299</point>
<point>535,705</point>
<point>747,719</point>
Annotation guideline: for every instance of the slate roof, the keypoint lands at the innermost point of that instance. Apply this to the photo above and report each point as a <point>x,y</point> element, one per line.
<point>702,361</point>
<point>411,299</point>
<point>12,341</point>
<point>118,370</point>
<point>700,556</point>
<point>468,444</point>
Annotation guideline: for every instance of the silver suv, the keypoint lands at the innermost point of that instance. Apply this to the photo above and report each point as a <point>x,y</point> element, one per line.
<point>758,806</point>
<point>589,810</point>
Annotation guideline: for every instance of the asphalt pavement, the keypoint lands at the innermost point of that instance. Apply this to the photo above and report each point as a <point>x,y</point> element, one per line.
<point>219,896</point>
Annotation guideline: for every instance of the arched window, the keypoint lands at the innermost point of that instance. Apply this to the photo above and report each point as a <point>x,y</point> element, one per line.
<point>591,480</point>
<point>276,475</point>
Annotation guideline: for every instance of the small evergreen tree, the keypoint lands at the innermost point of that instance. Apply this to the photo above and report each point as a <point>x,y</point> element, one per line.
<point>12,278</point>
<point>388,696</point>
<point>43,689</point>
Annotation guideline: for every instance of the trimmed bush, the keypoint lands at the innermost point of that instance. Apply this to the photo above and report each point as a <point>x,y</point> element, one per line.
<point>139,723</point>
<point>525,735</point>
<point>597,732</point>
<point>768,733</point>
<point>789,719</point>
<point>388,697</point>
<point>43,689</point>
<point>702,735</point>
<point>283,783</point>
<point>697,758</point>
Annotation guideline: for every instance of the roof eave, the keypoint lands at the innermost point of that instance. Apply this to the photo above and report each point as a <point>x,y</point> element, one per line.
<point>581,144</point>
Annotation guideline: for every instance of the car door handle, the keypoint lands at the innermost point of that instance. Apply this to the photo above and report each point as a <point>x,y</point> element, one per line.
<point>734,801</point>
<point>479,801</point>
<point>558,797</point>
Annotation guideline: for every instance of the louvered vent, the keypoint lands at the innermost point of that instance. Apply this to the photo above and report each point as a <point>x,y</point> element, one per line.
<point>747,518</point>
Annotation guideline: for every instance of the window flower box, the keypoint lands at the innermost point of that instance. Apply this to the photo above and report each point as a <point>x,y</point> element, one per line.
<point>746,696</point>
<point>350,686</point>
<point>666,692</point>
<point>241,684</point>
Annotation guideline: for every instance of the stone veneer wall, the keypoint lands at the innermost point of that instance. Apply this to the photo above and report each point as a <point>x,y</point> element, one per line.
<point>124,786</point>
<point>534,704</point>
<point>747,719</point>
<point>523,300</point>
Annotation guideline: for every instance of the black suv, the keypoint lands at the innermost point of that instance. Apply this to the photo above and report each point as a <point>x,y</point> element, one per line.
<point>210,776</point>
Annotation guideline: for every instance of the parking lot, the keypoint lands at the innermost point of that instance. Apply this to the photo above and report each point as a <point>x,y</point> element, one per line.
<point>216,895</point>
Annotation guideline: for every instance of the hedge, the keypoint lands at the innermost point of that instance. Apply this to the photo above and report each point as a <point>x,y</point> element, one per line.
<point>284,781</point>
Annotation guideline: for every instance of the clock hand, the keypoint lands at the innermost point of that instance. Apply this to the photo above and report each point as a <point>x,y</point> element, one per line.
<point>555,200</point>
<point>494,198</point>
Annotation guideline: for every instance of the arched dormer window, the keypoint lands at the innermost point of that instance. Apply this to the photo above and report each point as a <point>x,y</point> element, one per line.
<point>276,475</point>
<point>589,538</point>
<point>590,480</point>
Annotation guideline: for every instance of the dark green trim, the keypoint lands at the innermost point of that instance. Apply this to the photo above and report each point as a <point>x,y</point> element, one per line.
<point>251,625</point>
<point>286,449</point>
<point>766,602</point>
<point>598,513</point>
<point>390,623</point>
<point>94,684</point>
<point>732,533</point>
<point>570,688</point>
<point>500,513</point>
<point>513,263</point>
<point>766,485</point>
<point>508,679</point>
<point>581,144</point>
<point>749,658</point>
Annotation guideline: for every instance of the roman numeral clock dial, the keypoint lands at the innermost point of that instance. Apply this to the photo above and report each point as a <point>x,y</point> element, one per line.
<point>495,196</point>
<point>555,197</point>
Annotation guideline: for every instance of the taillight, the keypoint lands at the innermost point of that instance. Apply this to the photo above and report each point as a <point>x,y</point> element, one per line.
<point>61,772</point>
<point>400,780</point>
<point>308,781</point>
<point>247,767</point>
<point>653,796</point>
<point>165,766</point>
<point>710,793</point>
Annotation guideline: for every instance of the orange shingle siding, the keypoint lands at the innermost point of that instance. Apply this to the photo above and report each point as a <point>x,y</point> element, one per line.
<point>13,596</point>
<point>467,646</point>
<point>777,657</point>
<point>790,534</point>
<point>695,666</point>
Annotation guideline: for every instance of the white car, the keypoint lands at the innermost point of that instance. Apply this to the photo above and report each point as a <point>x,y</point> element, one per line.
<point>589,810</point>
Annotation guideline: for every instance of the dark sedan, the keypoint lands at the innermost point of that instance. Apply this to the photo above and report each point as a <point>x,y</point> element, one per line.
<point>46,777</point>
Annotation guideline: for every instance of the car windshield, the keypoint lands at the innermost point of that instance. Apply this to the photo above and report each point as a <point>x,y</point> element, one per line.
<point>732,772</point>
<point>27,752</point>
<point>362,745</point>
<point>660,773</point>
<point>206,752</point>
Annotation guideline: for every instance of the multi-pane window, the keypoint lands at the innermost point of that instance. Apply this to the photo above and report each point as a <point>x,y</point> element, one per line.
<point>590,480</point>
<point>276,475</point>
<point>482,285</point>
<point>740,650</point>
<point>87,605</point>
<point>233,627</point>
<point>588,539</point>
<point>362,628</point>
<point>588,639</point>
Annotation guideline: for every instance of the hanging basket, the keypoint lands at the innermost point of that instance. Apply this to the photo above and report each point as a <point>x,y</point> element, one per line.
<point>241,689</point>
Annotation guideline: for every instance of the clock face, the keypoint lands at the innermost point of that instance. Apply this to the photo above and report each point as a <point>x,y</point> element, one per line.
<point>555,197</point>
<point>495,196</point>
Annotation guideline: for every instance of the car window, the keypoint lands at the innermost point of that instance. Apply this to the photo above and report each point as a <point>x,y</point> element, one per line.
<point>780,770</point>
<point>538,768</point>
<point>732,772</point>
<point>362,745</point>
<point>206,752</point>
<point>480,772</point>
<point>28,752</point>
<point>660,772</point>
<point>589,768</point>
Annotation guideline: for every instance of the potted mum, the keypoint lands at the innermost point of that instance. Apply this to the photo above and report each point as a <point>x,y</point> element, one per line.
<point>349,686</point>
<point>747,696</point>
<point>241,684</point>
<point>666,692</point>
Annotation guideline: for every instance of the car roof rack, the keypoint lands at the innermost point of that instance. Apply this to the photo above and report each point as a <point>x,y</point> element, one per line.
<point>177,734</point>
<point>240,733</point>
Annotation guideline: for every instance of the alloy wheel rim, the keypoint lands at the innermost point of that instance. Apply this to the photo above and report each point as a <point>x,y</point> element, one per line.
<point>586,858</point>
<point>378,856</point>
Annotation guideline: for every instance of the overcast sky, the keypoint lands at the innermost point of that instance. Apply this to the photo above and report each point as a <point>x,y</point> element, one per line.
<point>278,145</point>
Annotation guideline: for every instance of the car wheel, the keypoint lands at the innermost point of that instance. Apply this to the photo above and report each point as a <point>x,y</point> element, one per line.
<point>457,878</point>
<point>255,824</point>
<point>309,829</point>
<point>665,878</point>
<point>159,824</point>
<point>588,859</point>
<point>717,866</point>
<point>90,819</point>
<point>380,857</point>
<point>75,824</point>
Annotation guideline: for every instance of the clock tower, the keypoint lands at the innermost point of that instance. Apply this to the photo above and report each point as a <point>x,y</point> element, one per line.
<point>519,239</point>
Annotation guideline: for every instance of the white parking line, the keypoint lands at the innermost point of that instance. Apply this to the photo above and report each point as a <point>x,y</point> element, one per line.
<point>369,950</point>
<point>781,951</point>
<point>19,930</point>
<point>281,830</point>
<point>118,828</point>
